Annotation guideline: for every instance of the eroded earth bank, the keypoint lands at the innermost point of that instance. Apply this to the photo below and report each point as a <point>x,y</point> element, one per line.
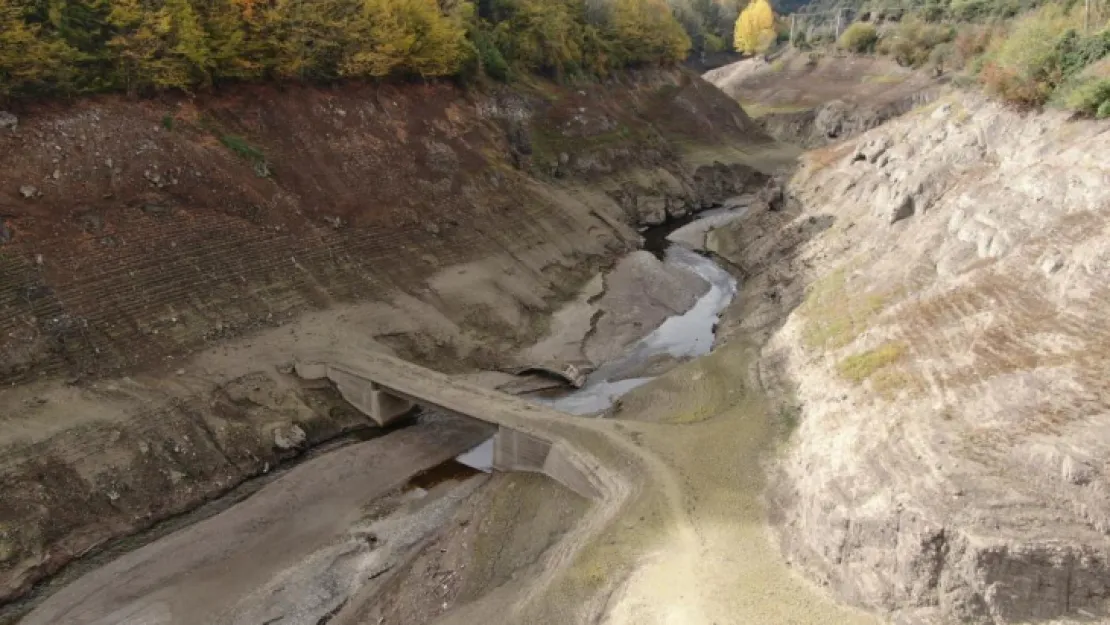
<point>166,261</point>
<point>902,419</point>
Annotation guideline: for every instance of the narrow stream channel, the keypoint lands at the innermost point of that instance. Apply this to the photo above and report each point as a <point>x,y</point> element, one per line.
<point>680,337</point>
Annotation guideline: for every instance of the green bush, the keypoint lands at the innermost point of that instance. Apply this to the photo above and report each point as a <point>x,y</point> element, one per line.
<point>1026,67</point>
<point>1104,110</point>
<point>1077,52</point>
<point>493,63</point>
<point>943,56</point>
<point>1090,97</point>
<point>860,38</point>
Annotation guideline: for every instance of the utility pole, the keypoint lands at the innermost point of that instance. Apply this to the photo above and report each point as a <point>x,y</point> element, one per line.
<point>792,17</point>
<point>840,14</point>
<point>1087,17</point>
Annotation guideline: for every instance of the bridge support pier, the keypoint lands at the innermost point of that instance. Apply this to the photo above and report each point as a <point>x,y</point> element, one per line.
<point>514,450</point>
<point>370,398</point>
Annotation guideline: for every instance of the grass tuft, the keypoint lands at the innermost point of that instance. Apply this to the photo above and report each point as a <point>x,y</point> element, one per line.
<point>857,368</point>
<point>835,317</point>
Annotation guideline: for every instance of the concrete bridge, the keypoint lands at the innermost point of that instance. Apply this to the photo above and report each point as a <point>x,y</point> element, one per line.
<point>385,388</point>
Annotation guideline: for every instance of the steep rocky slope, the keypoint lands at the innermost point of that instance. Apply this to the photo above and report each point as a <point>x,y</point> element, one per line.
<point>935,296</point>
<point>160,260</point>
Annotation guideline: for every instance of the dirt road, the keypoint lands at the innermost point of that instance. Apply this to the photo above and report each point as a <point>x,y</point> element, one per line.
<point>212,571</point>
<point>680,536</point>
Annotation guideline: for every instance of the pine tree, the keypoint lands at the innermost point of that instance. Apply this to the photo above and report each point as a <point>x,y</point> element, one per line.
<point>83,25</point>
<point>755,29</point>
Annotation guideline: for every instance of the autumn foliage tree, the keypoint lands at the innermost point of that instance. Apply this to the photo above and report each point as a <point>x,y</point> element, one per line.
<point>755,28</point>
<point>649,32</point>
<point>144,46</point>
<point>405,36</point>
<point>29,56</point>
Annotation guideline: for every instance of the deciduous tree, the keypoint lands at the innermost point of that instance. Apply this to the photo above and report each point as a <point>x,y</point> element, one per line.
<point>32,59</point>
<point>755,28</point>
<point>406,36</point>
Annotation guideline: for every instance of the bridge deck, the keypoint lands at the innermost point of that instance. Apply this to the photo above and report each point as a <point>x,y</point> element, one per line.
<point>431,388</point>
<point>530,437</point>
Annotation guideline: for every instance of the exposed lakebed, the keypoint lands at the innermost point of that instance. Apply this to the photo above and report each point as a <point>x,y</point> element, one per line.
<point>327,564</point>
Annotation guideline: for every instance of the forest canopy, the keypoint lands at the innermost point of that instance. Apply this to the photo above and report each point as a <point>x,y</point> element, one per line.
<point>63,47</point>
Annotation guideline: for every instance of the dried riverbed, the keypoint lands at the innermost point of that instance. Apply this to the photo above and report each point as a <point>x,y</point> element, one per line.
<point>334,538</point>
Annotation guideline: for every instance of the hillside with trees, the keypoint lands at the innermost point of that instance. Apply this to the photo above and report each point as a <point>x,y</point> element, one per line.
<point>69,47</point>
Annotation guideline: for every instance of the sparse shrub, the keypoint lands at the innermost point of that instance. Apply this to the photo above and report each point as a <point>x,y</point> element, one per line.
<point>240,147</point>
<point>1091,97</point>
<point>913,41</point>
<point>167,122</point>
<point>971,42</point>
<point>1009,84</point>
<point>1026,67</point>
<point>859,38</point>
<point>859,367</point>
<point>1103,110</point>
<point>942,56</point>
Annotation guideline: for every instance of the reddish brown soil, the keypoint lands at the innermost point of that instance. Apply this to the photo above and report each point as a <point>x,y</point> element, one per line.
<point>147,238</point>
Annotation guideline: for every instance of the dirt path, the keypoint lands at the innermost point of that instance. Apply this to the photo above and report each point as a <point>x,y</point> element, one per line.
<point>680,537</point>
<point>209,572</point>
<point>716,563</point>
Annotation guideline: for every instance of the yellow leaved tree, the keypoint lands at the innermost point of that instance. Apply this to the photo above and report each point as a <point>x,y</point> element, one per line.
<point>406,37</point>
<point>755,29</point>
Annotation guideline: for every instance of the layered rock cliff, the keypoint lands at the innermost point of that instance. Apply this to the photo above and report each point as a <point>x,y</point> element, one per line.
<point>935,296</point>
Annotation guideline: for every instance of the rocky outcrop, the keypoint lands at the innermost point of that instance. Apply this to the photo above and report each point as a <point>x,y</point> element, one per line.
<point>935,301</point>
<point>652,197</point>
